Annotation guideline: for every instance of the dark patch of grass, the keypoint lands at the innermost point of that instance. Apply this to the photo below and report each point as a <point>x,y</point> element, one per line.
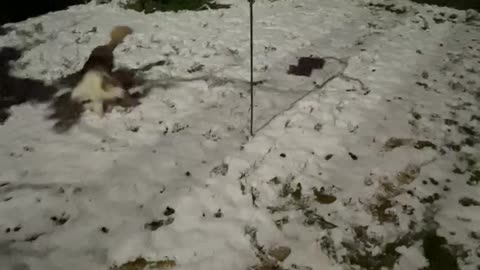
<point>141,264</point>
<point>385,259</point>
<point>440,254</point>
<point>380,210</point>
<point>150,6</point>
<point>424,144</point>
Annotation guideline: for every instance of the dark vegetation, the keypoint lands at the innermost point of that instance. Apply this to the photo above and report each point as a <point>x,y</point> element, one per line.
<point>149,6</point>
<point>458,4</point>
<point>13,12</point>
<point>439,253</point>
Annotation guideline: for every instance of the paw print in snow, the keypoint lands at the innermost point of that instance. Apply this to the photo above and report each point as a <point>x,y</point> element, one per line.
<point>211,136</point>
<point>221,169</point>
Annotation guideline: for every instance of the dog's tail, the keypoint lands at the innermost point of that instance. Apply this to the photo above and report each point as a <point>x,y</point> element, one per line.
<point>118,34</point>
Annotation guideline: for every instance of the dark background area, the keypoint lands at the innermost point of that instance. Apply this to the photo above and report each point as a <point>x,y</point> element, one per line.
<point>15,10</point>
<point>458,4</point>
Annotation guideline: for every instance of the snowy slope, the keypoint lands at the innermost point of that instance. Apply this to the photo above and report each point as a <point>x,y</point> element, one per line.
<point>380,146</point>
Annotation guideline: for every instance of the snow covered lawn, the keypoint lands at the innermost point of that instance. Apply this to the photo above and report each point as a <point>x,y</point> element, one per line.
<point>373,161</point>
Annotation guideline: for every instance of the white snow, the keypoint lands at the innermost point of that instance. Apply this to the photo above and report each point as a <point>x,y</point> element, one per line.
<point>325,131</point>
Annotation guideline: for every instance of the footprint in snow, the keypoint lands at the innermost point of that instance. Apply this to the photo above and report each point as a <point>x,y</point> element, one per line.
<point>15,229</point>
<point>61,220</point>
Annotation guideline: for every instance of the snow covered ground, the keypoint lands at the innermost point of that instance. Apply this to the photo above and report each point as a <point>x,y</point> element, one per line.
<point>371,162</point>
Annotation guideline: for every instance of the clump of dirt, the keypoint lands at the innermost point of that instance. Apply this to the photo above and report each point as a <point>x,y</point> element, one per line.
<point>393,143</point>
<point>154,225</point>
<point>388,189</point>
<point>218,214</point>
<point>430,199</point>
<point>169,211</point>
<point>425,144</point>
<point>465,201</point>
<point>322,197</point>
<point>142,264</point>
<point>379,210</point>
<point>312,218</point>
<point>221,169</point>
<point>272,258</point>
<point>408,175</point>
<point>280,253</point>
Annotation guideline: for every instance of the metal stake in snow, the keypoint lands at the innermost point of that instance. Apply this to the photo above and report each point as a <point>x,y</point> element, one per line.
<point>251,66</point>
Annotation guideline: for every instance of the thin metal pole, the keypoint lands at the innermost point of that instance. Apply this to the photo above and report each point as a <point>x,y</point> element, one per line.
<point>251,66</point>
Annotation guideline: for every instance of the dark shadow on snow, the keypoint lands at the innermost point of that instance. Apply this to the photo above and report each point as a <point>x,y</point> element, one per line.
<point>14,90</point>
<point>65,112</point>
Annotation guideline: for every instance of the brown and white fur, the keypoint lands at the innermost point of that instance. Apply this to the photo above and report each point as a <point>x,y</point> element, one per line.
<point>97,85</point>
<point>95,88</point>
